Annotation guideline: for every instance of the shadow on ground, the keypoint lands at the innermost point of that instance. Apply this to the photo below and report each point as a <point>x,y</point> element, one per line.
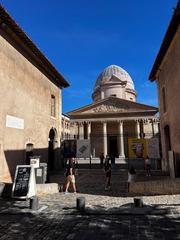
<point>98,223</point>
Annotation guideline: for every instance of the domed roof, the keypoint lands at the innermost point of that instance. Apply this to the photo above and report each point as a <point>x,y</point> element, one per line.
<point>113,70</point>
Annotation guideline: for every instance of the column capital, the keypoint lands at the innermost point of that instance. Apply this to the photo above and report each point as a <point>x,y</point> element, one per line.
<point>138,120</point>
<point>120,121</point>
<point>80,123</point>
<point>88,122</point>
<point>104,121</point>
<point>145,120</point>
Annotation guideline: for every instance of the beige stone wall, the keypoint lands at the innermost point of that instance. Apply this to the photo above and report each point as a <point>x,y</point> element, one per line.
<point>168,78</point>
<point>25,93</point>
<point>148,128</point>
<point>167,186</point>
<point>65,128</point>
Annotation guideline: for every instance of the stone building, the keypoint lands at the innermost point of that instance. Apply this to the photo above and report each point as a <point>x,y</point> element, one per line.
<point>114,117</point>
<point>166,72</point>
<point>65,127</point>
<point>30,95</point>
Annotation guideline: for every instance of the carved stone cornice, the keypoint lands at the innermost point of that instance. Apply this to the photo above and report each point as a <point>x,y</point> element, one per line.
<point>112,107</point>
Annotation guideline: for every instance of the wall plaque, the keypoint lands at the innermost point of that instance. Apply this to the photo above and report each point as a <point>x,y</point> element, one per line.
<point>14,122</point>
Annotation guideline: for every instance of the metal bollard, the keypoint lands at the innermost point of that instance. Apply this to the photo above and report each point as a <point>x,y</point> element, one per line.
<point>80,203</point>
<point>138,202</point>
<point>61,188</point>
<point>34,203</point>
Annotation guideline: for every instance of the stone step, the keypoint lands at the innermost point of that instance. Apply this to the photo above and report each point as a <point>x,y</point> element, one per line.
<point>98,166</point>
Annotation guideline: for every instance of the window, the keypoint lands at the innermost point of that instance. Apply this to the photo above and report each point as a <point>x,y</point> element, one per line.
<point>113,95</point>
<point>52,105</point>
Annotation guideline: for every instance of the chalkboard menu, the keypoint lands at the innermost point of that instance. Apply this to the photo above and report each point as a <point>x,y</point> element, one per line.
<point>23,181</point>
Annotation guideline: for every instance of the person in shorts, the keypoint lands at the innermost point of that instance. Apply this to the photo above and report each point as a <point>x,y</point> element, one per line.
<point>70,176</point>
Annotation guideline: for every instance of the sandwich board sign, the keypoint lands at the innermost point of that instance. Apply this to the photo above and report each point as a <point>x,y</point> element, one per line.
<point>24,185</point>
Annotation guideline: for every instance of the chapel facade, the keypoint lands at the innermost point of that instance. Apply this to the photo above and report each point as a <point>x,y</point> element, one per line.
<point>114,116</point>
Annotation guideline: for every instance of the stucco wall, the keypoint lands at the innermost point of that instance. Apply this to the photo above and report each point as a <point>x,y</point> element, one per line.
<point>25,93</point>
<point>158,187</point>
<point>169,78</point>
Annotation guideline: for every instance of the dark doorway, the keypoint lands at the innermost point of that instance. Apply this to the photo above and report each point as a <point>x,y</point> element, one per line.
<point>51,150</point>
<point>167,141</point>
<point>112,146</point>
<point>167,138</point>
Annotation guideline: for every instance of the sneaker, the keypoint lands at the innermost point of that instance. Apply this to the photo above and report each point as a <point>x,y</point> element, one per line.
<point>74,192</point>
<point>66,192</point>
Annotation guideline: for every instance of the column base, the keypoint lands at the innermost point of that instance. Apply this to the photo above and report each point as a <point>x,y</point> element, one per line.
<point>121,160</point>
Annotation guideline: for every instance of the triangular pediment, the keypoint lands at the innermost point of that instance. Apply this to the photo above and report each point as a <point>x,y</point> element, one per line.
<point>113,105</point>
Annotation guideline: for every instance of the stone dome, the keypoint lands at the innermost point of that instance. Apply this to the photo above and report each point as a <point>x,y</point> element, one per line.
<point>114,81</point>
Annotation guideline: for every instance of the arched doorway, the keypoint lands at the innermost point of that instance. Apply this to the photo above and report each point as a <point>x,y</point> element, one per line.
<point>51,149</point>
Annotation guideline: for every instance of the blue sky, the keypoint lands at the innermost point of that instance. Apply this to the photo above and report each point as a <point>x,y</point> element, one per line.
<point>82,37</point>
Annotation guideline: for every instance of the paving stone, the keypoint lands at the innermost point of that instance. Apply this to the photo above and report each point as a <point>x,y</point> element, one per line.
<point>111,215</point>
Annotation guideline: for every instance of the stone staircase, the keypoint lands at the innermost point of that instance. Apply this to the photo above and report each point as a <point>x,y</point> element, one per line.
<point>95,164</point>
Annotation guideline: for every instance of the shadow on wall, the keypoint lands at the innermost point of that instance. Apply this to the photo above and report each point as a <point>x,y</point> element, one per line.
<point>20,157</point>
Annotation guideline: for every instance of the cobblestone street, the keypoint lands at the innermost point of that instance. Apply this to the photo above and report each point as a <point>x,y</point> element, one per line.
<point>106,216</point>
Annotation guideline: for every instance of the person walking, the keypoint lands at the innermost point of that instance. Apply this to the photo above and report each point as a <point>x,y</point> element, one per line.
<point>148,166</point>
<point>131,176</point>
<point>70,176</point>
<point>102,159</point>
<point>107,169</point>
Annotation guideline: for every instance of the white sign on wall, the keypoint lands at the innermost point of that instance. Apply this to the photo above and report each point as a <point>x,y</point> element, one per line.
<point>14,122</point>
<point>83,148</point>
<point>34,161</point>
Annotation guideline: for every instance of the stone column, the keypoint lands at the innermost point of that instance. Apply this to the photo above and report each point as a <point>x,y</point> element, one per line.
<point>121,140</point>
<point>81,130</point>
<point>105,138</point>
<point>144,121</point>
<point>88,130</point>
<point>152,122</point>
<point>137,129</point>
